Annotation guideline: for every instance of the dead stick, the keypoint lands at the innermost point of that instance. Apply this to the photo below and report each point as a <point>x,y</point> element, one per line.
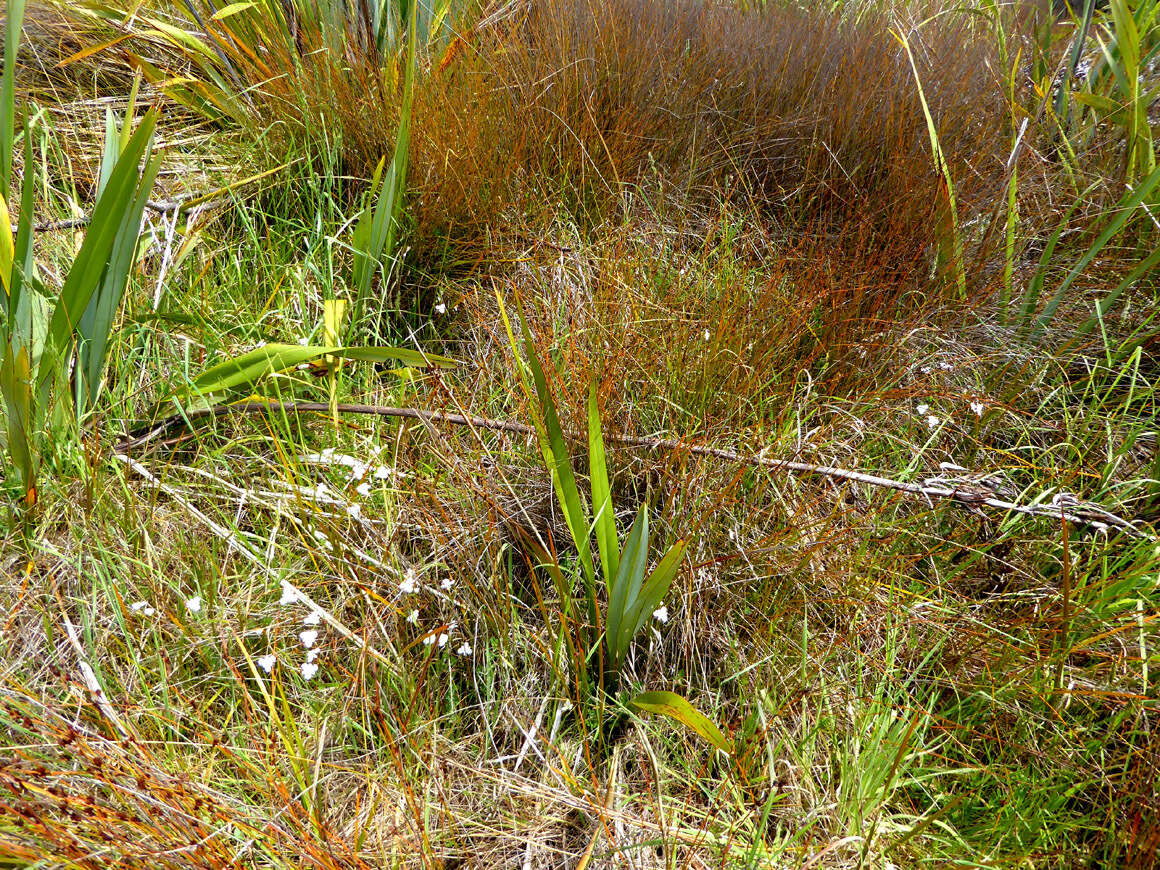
<point>972,496</point>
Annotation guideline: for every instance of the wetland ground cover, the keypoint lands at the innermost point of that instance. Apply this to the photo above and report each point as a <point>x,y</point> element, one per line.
<point>579,433</point>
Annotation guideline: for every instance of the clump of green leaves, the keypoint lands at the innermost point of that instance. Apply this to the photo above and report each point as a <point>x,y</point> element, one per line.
<point>632,591</point>
<point>42,330</point>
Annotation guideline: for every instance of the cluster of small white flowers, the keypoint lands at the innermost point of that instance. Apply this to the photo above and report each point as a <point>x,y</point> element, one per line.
<point>142,607</point>
<point>409,585</point>
<point>308,637</point>
<point>943,365</point>
<point>360,473</point>
<point>440,636</point>
<point>661,614</point>
<point>923,410</point>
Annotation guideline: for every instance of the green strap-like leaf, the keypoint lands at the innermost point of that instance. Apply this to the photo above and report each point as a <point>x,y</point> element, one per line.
<point>652,593</point>
<point>96,325</point>
<point>675,707</point>
<point>1123,210</point>
<point>89,265</point>
<point>560,465</point>
<point>604,518</point>
<point>18,305</point>
<point>15,20</point>
<point>622,592</point>
<point>269,359</point>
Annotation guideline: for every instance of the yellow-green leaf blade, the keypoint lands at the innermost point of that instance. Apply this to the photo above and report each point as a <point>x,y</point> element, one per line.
<point>675,707</point>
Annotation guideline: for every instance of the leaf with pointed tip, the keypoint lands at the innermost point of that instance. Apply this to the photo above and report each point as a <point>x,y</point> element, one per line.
<point>559,461</point>
<point>652,593</point>
<point>14,22</point>
<point>604,518</point>
<point>675,707</point>
<point>92,260</point>
<point>621,593</point>
<point>269,359</point>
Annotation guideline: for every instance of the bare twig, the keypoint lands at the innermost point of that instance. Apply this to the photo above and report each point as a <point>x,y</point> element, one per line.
<point>973,495</point>
<point>89,678</point>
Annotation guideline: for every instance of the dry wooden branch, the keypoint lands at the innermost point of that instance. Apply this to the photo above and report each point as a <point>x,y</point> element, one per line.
<point>972,494</point>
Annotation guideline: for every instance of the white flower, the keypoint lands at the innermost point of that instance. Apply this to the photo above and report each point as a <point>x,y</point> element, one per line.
<point>289,594</point>
<point>304,341</point>
<point>308,637</point>
<point>661,614</point>
<point>266,662</point>
<point>428,640</point>
<point>312,654</point>
<point>932,421</point>
<point>443,638</point>
<point>363,489</point>
<point>142,607</point>
<point>382,472</point>
<point>312,618</point>
<point>409,584</point>
<point>309,669</point>
<point>193,605</point>
<point>413,617</point>
<point>925,370</point>
<point>354,511</point>
<point>708,335</point>
<point>440,308</point>
<point>978,408</point>
<point>922,409</point>
<point>946,366</point>
<point>464,650</point>
<point>446,584</point>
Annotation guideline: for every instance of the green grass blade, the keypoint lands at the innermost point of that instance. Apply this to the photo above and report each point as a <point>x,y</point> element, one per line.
<point>944,170</point>
<point>16,388</point>
<point>1073,64</point>
<point>19,308</point>
<point>364,232</point>
<point>675,707</point>
<point>1144,268</point>
<point>1035,285</point>
<point>1124,210</point>
<point>604,518</point>
<point>379,234</point>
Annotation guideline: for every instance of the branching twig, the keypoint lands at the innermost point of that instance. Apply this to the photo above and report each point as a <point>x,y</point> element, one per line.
<point>971,495</point>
